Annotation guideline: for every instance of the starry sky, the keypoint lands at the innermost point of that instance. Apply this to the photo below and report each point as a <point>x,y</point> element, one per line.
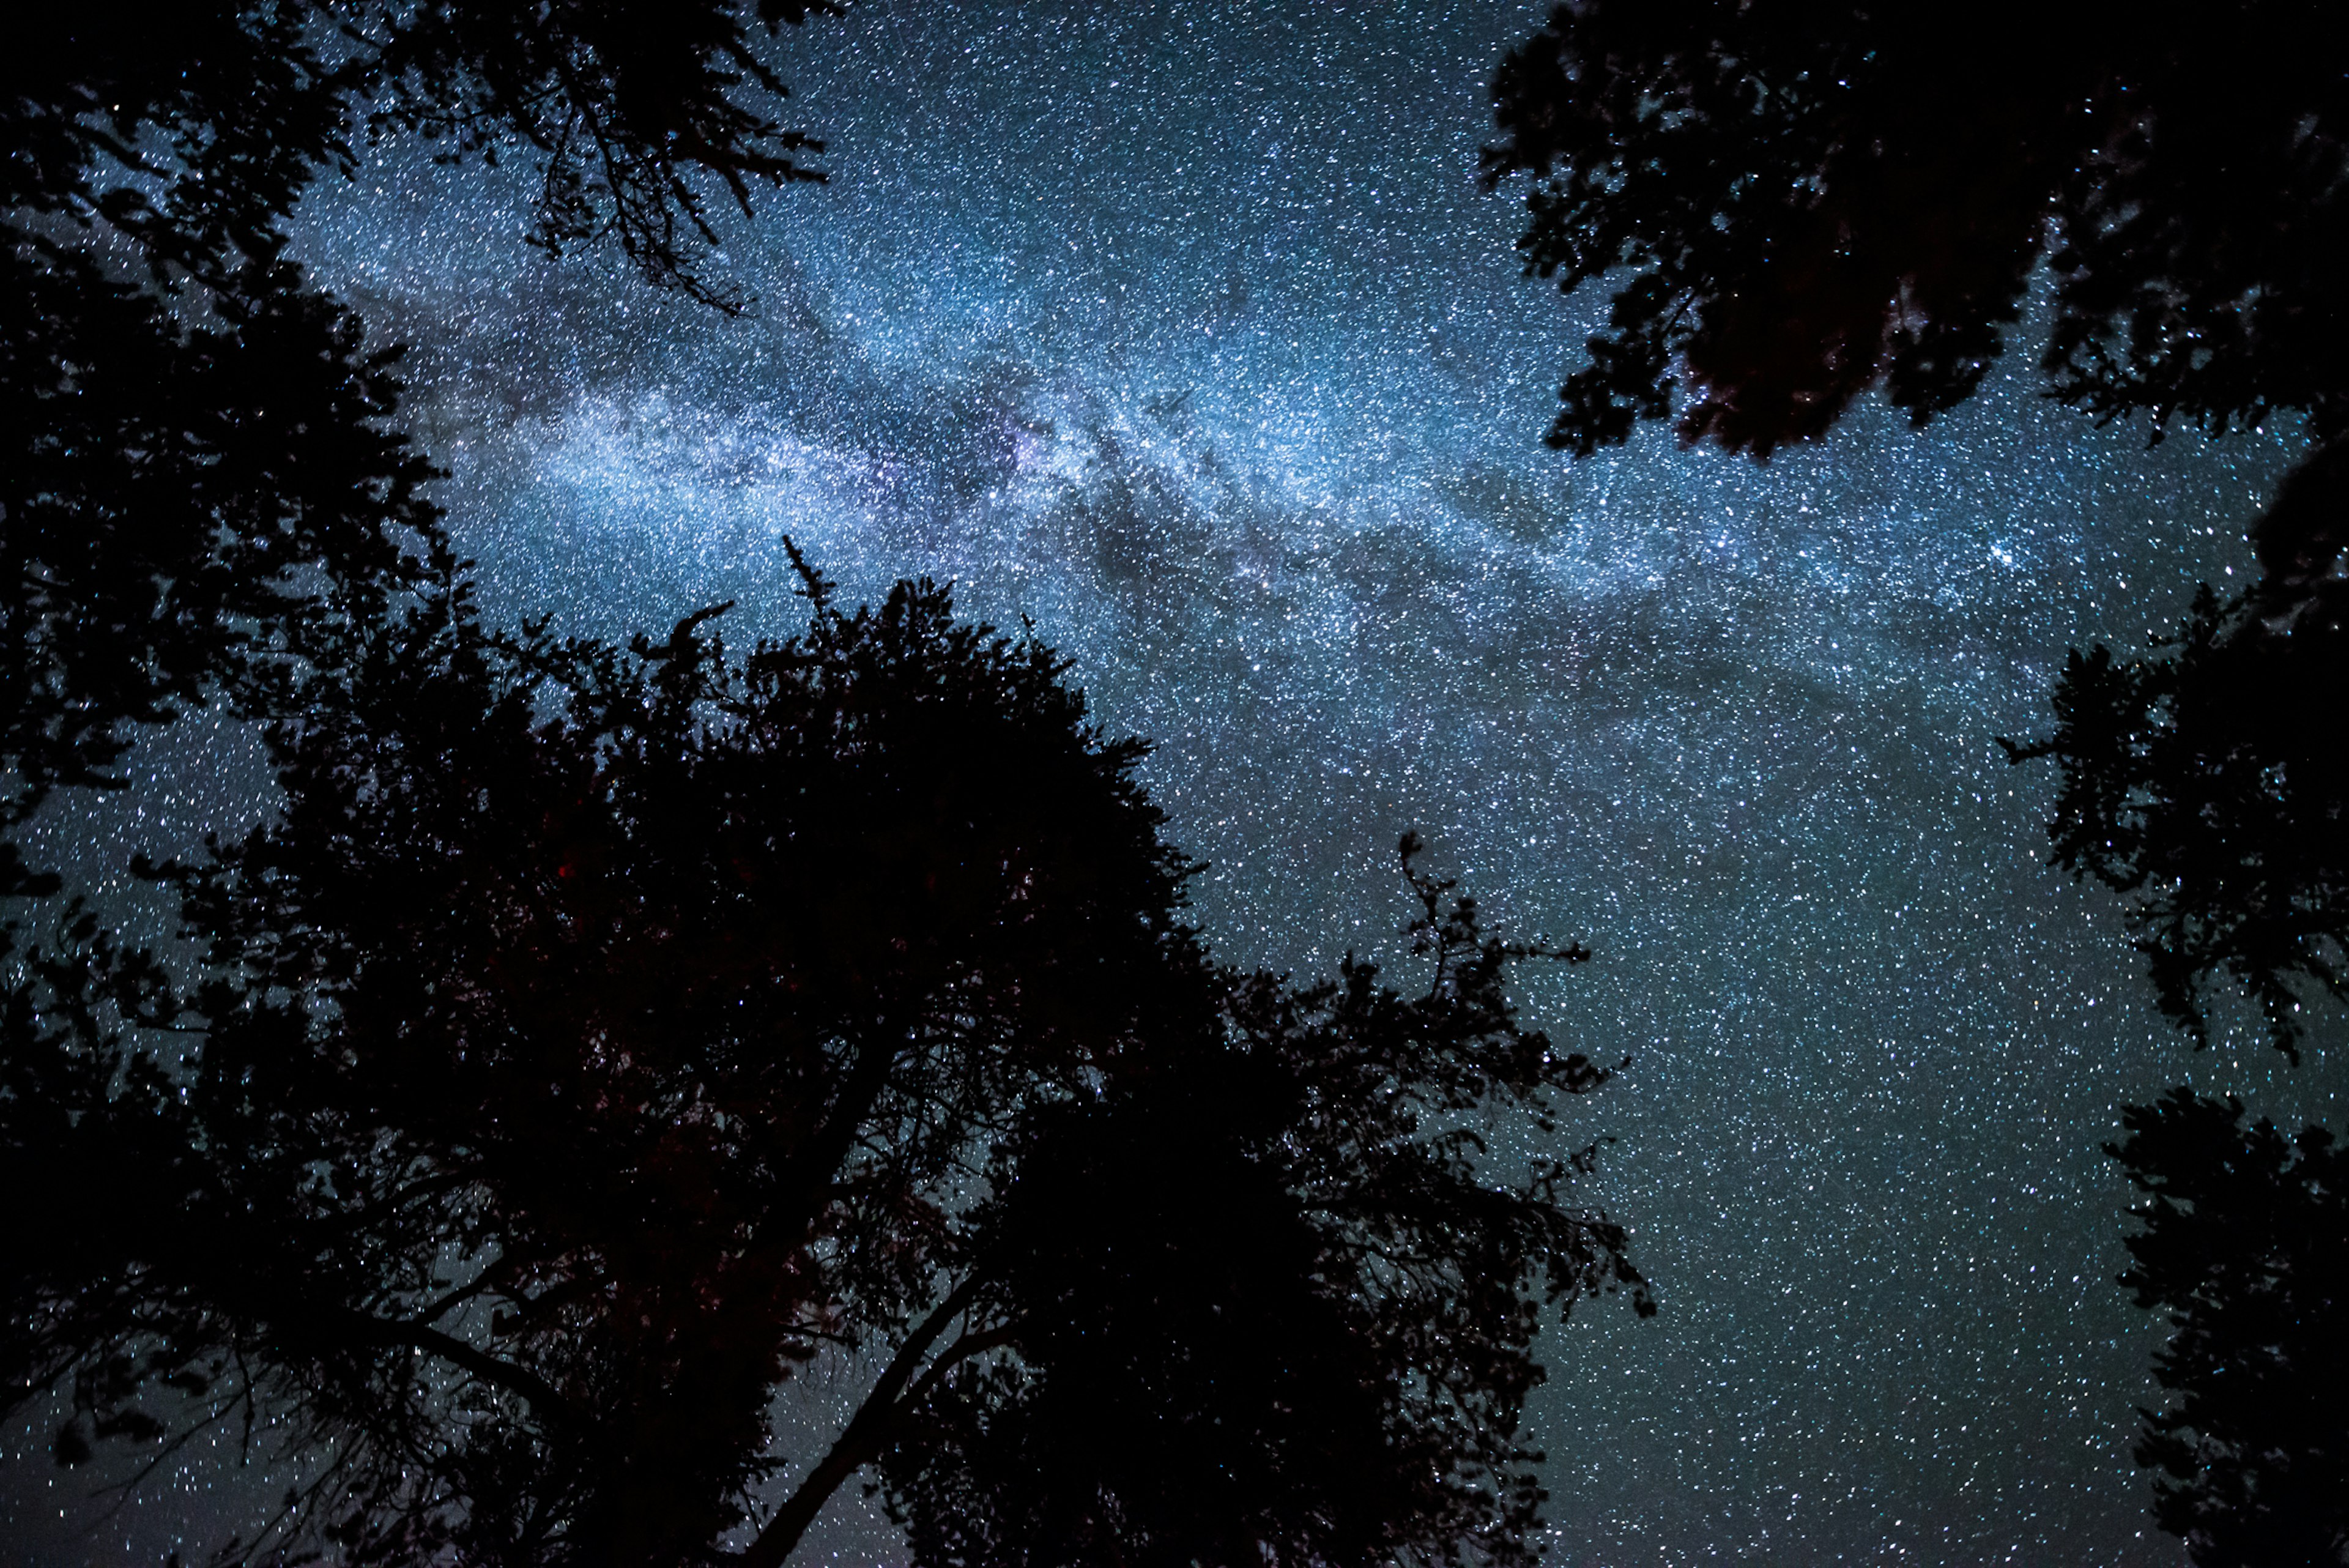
<point>1185,332</point>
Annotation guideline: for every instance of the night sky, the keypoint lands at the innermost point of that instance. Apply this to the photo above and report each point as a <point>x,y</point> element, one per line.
<point>1185,333</point>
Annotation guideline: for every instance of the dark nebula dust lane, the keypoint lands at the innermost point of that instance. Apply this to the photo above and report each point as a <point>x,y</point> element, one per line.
<point>1187,333</point>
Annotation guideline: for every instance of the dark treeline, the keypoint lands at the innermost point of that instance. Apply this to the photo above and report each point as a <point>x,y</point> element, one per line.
<point>595,1034</point>
<point>1797,203</point>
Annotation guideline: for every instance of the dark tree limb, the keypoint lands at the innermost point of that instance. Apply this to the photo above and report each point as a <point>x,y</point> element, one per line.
<point>869,1430</point>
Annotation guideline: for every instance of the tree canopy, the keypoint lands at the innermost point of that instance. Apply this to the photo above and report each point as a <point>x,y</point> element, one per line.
<point>206,476</point>
<point>2246,1245</point>
<point>189,512</point>
<point>193,134</point>
<point>598,1035</point>
<point>1806,199</point>
<point>1799,202</point>
<point>2207,781</point>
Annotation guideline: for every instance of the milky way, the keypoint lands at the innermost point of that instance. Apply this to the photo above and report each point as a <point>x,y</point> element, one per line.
<point>1185,333</point>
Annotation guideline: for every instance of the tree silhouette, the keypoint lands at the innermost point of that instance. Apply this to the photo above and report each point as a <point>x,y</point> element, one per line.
<point>189,512</point>
<point>599,1035</point>
<point>2246,1244</point>
<point>1804,200</point>
<point>194,135</point>
<point>2206,782</point>
<point>1796,202</point>
<point>1267,1304</point>
<point>205,480</point>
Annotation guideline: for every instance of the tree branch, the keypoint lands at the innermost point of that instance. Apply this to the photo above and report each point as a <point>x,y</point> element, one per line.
<point>542,1394</point>
<point>865,1434</point>
<point>813,1170</point>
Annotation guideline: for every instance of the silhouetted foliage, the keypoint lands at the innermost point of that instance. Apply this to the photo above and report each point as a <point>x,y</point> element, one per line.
<point>1265,1302</point>
<point>1805,199</point>
<point>2208,781</point>
<point>622,105</point>
<point>204,471</point>
<point>193,132</point>
<point>598,1035</point>
<point>186,509</point>
<point>2246,1245</point>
